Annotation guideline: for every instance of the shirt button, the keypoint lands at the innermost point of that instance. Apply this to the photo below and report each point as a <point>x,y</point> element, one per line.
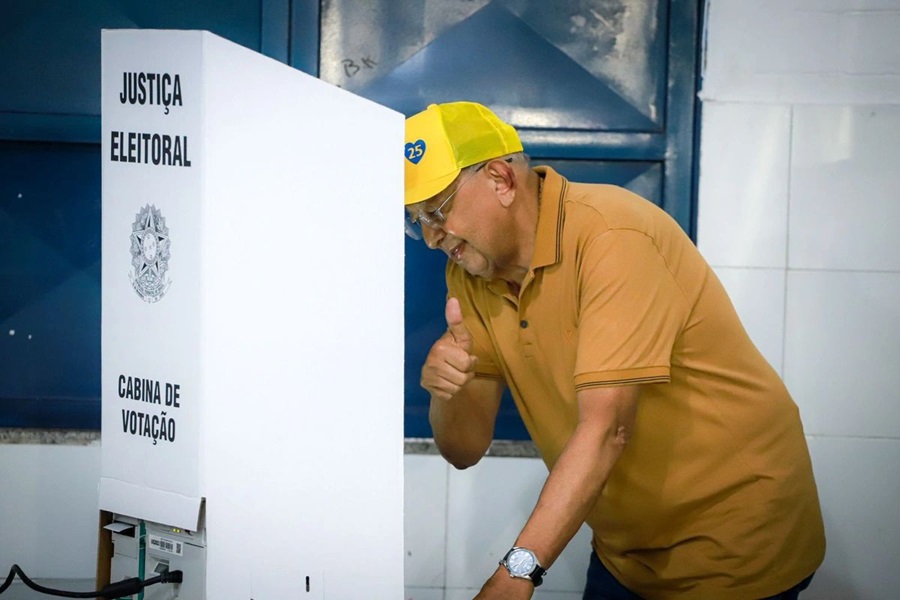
<point>523,324</point>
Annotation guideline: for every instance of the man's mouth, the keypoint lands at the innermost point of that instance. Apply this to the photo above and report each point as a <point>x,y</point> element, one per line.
<point>455,253</point>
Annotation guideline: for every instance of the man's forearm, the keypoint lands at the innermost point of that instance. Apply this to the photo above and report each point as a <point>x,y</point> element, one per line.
<point>606,421</point>
<point>570,492</point>
<point>463,425</point>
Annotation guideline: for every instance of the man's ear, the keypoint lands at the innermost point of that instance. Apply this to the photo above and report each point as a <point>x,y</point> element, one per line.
<point>503,178</point>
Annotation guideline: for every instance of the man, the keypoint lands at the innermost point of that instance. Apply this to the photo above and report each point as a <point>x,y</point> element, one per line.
<point>662,425</point>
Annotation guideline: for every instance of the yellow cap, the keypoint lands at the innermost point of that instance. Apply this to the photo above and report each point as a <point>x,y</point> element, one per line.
<point>445,138</point>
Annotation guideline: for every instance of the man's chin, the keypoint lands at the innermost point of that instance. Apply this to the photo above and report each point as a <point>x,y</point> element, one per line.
<point>480,269</point>
<point>480,273</point>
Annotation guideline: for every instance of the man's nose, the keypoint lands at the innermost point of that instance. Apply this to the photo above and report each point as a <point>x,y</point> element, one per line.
<point>432,236</point>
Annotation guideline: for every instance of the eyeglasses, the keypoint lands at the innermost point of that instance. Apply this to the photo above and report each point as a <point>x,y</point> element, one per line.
<point>434,218</point>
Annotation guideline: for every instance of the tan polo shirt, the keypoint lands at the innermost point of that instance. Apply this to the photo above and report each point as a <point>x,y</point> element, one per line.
<point>714,495</point>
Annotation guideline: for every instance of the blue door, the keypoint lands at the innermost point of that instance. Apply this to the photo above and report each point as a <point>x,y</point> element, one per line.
<point>602,90</point>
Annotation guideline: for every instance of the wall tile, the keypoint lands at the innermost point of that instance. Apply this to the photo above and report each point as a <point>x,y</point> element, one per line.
<point>842,343</point>
<point>743,197</point>
<point>803,88</point>
<point>488,506</point>
<point>425,521</point>
<point>845,188</point>
<point>769,36</point>
<point>844,6</point>
<point>48,509</point>
<point>758,296</point>
<point>859,492</point>
<point>801,51</point>
<point>417,593</point>
<point>869,42</point>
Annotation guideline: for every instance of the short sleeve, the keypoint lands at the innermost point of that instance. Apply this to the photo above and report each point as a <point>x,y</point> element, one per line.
<point>631,311</point>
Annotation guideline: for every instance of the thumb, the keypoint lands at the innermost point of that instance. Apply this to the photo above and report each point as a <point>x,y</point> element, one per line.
<point>455,325</point>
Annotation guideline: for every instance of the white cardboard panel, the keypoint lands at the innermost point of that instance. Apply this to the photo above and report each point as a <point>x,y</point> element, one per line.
<point>150,504</point>
<point>279,315</point>
<point>147,346</point>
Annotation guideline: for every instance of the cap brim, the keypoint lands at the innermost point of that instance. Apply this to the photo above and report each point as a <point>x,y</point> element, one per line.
<point>423,191</point>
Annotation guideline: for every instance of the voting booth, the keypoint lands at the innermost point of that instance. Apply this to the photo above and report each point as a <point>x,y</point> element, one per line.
<point>252,342</point>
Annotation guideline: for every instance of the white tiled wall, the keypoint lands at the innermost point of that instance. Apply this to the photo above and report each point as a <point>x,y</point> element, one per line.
<point>802,51</point>
<point>860,489</point>
<point>482,510</point>
<point>842,351</point>
<point>799,211</point>
<point>746,225</point>
<point>48,510</point>
<point>425,510</point>
<point>758,296</point>
<point>844,204</point>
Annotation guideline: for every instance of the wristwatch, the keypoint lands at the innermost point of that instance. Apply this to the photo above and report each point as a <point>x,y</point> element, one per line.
<point>522,563</point>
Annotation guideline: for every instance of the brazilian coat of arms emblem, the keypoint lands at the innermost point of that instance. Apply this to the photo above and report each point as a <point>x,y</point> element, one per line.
<point>149,254</point>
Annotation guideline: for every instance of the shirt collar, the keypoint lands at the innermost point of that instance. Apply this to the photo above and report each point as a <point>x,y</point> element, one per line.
<point>548,242</point>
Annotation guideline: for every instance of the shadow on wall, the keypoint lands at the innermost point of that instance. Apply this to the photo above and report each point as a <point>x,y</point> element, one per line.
<point>827,584</point>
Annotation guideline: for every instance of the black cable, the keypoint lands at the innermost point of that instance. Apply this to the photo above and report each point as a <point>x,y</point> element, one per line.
<point>126,587</point>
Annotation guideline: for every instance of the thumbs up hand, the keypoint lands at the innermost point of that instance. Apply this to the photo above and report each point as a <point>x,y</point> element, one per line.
<point>450,365</point>
<point>455,325</point>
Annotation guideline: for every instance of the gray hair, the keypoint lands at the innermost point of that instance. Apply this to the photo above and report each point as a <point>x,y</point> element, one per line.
<point>514,157</point>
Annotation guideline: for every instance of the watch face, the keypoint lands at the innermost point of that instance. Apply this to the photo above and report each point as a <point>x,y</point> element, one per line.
<point>521,562</point>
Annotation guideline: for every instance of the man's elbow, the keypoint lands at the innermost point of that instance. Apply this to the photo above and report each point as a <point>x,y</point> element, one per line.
<point>462,465</point>
<point>461,458</point>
